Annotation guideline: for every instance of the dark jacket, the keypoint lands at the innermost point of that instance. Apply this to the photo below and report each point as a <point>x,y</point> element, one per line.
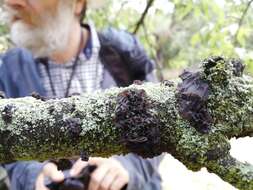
<point>124,60</point>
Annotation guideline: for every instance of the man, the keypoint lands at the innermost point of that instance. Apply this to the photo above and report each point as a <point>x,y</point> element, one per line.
<point>56,57</point>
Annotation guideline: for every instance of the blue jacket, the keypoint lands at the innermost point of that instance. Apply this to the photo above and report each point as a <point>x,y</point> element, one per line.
<point>124,61</point>
<point>123,57</point>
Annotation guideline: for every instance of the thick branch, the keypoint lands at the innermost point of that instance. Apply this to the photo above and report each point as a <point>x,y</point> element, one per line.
<point>193,121</point>
<point>235,172</point>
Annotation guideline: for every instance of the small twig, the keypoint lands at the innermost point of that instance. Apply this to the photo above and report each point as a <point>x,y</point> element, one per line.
<point>140,22</point>
<point>241,21</point>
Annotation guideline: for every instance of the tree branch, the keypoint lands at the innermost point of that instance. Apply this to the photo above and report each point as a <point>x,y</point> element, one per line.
<point>241,21</point>
<point>193,121</point>
<point>139,23</point>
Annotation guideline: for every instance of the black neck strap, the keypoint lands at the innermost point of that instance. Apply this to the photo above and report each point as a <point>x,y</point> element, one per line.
<point>74,65</point>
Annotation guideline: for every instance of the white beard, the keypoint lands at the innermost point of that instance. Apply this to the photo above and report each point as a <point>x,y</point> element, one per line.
<point>52,37</point>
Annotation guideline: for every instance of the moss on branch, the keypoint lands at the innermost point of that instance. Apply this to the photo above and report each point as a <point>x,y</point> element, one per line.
<point>193,121</point>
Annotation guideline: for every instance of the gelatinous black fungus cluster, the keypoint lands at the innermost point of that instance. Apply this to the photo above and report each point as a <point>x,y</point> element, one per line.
<point>238,67</point>
<point>75,94</point>
<point>211,62</point>
<point>38,96</point>
<point>73,127</point>
<point>192,97</point>
<point>7,113</point>
<point>168,83</point>
<point>138,82</point>
<point>140,129</point>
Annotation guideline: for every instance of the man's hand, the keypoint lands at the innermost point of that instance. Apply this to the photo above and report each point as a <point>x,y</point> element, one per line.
<point>49,170</point>
<point>109,175</point>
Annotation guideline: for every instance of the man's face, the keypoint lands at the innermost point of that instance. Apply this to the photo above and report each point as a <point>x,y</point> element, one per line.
<point>42,26</point>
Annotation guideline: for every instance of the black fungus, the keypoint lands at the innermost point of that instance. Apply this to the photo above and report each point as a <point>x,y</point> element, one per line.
<point>238,67</point>
<point>140,129</point>
<point>39,97</point>
<point>74,94</point>
<point>192,98</point>
<point>73,127</point>
<point>168,83</point>
<point>138,82</point>
<point>51,109</point>
<point>7,113</point>
<point>211,62</point>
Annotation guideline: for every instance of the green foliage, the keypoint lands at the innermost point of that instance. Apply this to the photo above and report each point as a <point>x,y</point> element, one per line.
<point>187,30</point>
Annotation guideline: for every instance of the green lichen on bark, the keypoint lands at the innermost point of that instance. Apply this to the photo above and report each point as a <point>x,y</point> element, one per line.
<point>35,129</point>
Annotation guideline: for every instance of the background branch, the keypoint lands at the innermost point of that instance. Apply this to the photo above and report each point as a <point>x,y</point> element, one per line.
<point>140,22</point>
<point>241,21</point>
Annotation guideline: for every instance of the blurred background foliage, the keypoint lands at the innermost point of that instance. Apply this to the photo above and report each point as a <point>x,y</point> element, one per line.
<point>179,33</point>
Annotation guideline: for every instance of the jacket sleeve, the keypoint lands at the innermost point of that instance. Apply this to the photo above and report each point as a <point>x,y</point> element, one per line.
<point>22,175</point>
<point>130,50</point>
<point>1,68</point>
<point>142,66</point>
<point>143,172</point>
<point>151,77</point>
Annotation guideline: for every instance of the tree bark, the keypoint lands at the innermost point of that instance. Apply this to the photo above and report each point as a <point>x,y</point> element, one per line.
<point>193,121</point>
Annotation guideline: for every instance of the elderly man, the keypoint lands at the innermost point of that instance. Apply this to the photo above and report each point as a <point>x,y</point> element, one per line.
<point>58,57</point>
